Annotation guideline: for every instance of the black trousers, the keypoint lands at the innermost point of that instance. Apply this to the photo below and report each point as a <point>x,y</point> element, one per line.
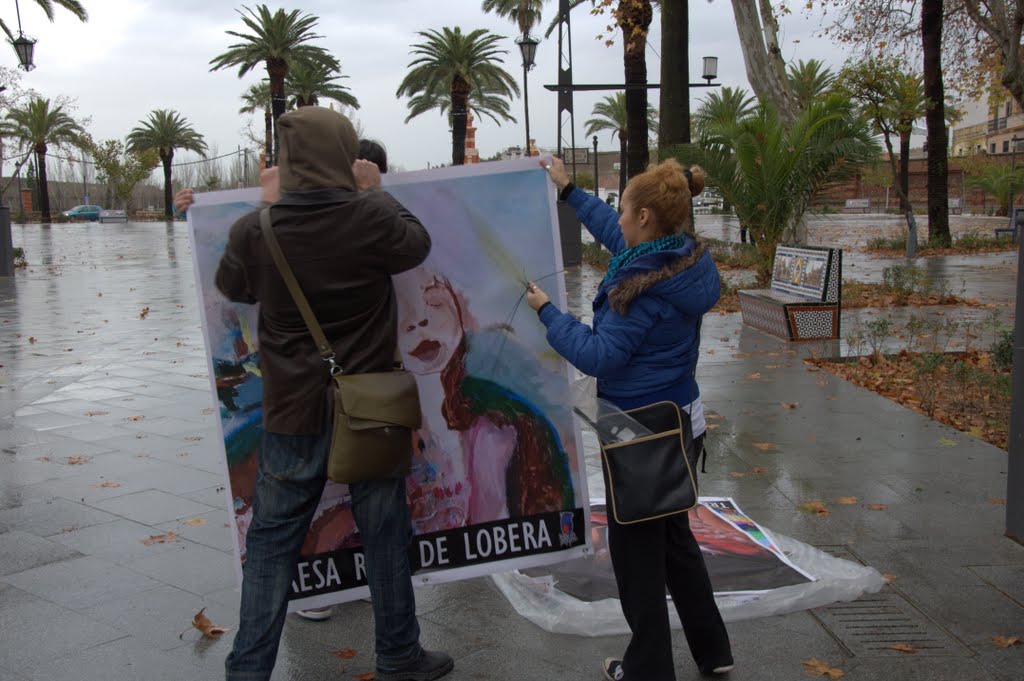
<point>647,557</point>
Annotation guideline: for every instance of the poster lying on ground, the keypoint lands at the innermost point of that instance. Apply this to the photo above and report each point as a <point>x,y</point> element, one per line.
<point>496,482</point>
<point>740,555</point>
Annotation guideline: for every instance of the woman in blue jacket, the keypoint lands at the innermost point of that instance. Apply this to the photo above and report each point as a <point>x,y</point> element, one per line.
<point>643,349</point>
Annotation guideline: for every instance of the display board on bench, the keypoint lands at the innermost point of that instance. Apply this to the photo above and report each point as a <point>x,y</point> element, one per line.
<point>805,298</point>
<point>863,205</point>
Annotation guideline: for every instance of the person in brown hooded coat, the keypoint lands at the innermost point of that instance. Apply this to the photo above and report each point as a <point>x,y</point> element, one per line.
<point>343,245</point>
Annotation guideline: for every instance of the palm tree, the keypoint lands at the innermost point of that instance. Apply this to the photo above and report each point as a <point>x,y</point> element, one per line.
<point>610,114</point>
<point>525,13</point>
<point>36,126</point>
<point>720,108</point>
<point>279,40</point>
<point>731,104</point>
<point>770,172</point>
<point>997,180</point>
<point>73,6</point>
<point>634,18</point>
<point>165,131</point>
<point>257,98</point>
<point>449,67</point>
<point>485,101</point>
<point>308,82</point>
<point>891,100</point>
<point>809,80</point>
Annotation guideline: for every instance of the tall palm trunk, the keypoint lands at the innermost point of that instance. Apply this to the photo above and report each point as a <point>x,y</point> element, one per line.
<point>674,121</point>
<point>460,108</point>
<point>166,157</point>
<point>634,19</point>
<point>44,192</point>
<point>904,177</point>
<point>935,119</point>
<point>277,69</point>
<point>268,139</point>
<point>623,150</point>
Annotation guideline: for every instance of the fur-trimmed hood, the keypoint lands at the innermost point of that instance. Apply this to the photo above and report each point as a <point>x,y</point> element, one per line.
<point>660,273</point>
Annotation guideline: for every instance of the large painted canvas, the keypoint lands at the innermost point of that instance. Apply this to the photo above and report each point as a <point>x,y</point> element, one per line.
<point>496,481</point>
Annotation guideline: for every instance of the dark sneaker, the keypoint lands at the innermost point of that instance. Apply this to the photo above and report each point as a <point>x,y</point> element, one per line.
<point>613,670</point>
<point>428,667</point>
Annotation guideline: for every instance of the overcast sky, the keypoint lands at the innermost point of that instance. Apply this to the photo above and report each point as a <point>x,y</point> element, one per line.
<point>134,56</point>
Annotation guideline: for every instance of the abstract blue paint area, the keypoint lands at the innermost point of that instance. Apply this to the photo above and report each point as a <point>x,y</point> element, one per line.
<point>230,331</point>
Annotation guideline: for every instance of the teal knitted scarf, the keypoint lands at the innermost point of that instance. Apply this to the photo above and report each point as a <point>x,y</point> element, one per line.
<point>670,242</point>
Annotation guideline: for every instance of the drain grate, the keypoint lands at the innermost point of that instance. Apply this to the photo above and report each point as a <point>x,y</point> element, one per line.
<point>872,625</point>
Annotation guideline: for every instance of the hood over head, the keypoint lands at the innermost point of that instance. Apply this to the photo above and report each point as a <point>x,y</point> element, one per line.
<point>318,147</point>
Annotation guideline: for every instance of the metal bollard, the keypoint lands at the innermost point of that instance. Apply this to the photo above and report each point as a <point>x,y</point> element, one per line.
<point>6,245</point>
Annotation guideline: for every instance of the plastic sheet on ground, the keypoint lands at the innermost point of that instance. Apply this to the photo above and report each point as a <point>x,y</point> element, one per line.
<point>540,600</point>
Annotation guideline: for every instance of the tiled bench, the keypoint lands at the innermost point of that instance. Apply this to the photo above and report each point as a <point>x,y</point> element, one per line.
<point>805,297</point>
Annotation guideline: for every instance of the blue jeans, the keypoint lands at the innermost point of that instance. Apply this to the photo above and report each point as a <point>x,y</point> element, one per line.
<point>291,478</point>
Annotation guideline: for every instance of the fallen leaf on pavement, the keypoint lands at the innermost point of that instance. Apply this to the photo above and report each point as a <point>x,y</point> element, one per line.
<point>32,340</point>
<point>946,442</point>
<point>77,460</point>
<point>877,507</point>
<point>136,418</point>
<point>96,413</point>
<point>194,522</point>
<point>819,668</point>
<point>766,446</point>
<point>194,438</point>
<point>207,411</point>
<point>107,484</point>
<point>846,501</point>
<point>208,628</point>
<point>759,471</point>
<point>737,474</point>
<point>889,578</point>
<point>904,647</point>
<point>816,507</point>
<point>754,376</point>
<point>997,502</point>
<point>346,654</point>
<point>165,538</point>
<point>711,426</point>
<point>789,405</point>
<point>1006,641</point>
<point>368,676</point>
<point>144,313</point>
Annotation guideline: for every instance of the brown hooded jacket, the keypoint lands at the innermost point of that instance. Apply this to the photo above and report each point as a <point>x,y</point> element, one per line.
<point>343,246</point>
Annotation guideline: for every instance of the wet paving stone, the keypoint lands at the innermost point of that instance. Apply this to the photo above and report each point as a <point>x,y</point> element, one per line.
<point>75,342</point>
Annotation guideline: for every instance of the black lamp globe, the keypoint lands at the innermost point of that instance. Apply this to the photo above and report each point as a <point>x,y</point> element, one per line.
<point>528,48</point>
<point>24,47</point>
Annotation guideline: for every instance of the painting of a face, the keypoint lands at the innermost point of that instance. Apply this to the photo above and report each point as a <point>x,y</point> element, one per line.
<point>429,325</point>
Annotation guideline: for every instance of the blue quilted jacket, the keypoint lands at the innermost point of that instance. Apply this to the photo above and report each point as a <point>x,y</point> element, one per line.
<point>644,341</point>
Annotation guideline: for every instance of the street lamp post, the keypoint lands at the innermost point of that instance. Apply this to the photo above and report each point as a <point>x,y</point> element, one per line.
<point>23,45</point>
<point>1015,443</point>
<point>595,166</point>
<point>528,48</point>
<point>1013,166</point>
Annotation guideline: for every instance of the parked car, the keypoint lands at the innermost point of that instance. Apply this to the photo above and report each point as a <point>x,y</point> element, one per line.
<point>84,213</point>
